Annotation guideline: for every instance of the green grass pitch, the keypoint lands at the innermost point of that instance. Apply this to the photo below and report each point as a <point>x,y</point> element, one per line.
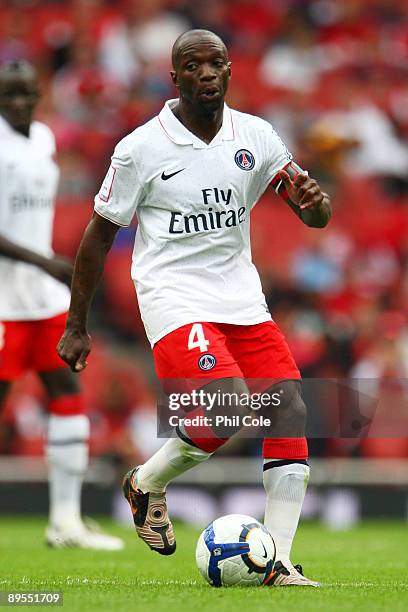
<point>361,569</point>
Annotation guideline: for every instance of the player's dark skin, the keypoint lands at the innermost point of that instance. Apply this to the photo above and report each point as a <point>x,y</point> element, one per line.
<point>19,95</point>
<point>201,72</point>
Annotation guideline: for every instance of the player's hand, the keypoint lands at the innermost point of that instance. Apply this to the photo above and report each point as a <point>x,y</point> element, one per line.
<point>60,268</point>
<point>74,347</point>
<point>302,190</point>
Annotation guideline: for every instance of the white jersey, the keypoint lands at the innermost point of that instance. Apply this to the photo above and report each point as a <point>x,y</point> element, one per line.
<point>28,184</point>
<point>192,255</point>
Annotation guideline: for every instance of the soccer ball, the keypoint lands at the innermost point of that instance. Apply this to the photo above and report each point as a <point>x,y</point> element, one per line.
<point>235,550</point>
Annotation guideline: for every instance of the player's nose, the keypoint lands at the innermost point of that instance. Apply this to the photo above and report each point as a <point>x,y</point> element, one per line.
<point>19,102</point>
<point>207,73</point>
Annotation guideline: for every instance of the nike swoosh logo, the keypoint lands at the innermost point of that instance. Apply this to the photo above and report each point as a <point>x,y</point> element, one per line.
<point>166,177</point>
<point>266,554</point>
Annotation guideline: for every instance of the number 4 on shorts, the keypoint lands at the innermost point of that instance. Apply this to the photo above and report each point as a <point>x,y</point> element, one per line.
<point>197,339</point>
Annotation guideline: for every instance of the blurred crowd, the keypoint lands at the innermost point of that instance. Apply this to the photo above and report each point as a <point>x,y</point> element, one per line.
<point>331,76</point>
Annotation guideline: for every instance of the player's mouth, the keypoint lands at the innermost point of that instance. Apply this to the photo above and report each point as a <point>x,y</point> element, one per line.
<point>19,116</point>
<point>209,93</point>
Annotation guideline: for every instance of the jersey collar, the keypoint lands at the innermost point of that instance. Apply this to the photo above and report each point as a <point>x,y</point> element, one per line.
<point>179,134</point>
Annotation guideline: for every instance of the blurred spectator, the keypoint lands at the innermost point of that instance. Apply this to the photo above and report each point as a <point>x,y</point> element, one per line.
<point>136,45</point>
<point>315,268</point>
<point>378,151</point>
<point>296,60</point>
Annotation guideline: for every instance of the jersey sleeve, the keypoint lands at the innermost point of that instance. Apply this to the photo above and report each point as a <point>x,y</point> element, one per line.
<point>2,196</point>
<point>121,190</point>
<point>278,155</point>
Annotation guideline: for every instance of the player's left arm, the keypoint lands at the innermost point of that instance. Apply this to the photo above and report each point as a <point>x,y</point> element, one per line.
<point>303,194</point>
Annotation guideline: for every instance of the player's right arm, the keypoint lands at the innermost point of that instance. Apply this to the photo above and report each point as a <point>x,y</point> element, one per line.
<point>115,206</point>
<point>97,240</point>
<point>58,267</point>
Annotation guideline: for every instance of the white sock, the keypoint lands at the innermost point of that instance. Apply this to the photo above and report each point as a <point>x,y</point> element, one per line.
<point>285,488</point>
<point>67,454</point>
<point>174,458</point>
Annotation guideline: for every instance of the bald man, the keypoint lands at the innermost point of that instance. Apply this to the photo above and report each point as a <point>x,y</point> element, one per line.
<point>34,299</point>
<point>192,175</point>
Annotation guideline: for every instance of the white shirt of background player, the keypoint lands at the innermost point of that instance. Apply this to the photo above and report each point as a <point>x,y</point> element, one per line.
<point>28,185</point>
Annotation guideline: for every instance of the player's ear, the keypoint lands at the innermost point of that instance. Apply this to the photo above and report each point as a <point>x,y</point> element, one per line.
<point>229,68</point>
<point>173,75</point>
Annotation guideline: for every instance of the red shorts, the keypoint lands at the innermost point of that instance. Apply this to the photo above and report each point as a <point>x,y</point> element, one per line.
<point>30,345</point>
<point>219,350</point>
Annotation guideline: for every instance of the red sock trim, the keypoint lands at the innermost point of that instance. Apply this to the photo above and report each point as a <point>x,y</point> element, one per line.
<point>208,445</point>
<point>285,448</point>
<point>200,434</point>
<point>67,405</point>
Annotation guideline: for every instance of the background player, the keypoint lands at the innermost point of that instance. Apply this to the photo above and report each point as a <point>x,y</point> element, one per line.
<point>193,174</point>
<point>34,298</point>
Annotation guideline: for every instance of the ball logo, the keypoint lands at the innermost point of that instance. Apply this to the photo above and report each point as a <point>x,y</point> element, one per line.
<point>244,159</point>
<point>207,362</point>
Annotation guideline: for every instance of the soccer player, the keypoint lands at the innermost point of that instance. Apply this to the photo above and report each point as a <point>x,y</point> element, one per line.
<point>192,175</point>
<point>34,299</point>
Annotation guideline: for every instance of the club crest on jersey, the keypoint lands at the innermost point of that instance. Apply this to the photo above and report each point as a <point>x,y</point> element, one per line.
<point>244,159</point>
<point>207,362</point>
